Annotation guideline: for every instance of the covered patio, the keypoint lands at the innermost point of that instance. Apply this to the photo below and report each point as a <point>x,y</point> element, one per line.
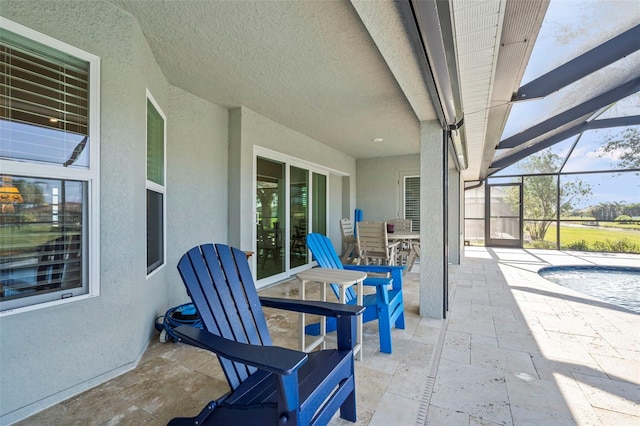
<point>253,123</point>
<point>515,349</point>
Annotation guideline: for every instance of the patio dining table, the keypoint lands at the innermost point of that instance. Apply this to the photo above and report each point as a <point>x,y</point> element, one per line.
<point>410,239</point>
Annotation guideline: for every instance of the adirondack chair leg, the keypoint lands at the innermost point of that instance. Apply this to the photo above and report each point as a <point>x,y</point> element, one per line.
<point>400,321</point>
<point>288,397</point>
<point>384,329</point>
<point>348,408</point>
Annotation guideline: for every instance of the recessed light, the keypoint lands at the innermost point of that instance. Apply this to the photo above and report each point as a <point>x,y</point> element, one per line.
<point>377,140</point>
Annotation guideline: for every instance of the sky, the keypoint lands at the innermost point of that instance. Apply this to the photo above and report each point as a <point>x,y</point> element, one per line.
<point>570,28</point>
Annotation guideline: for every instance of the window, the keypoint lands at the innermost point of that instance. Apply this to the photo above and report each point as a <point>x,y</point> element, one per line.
<point>412,201</point>
<point>49,160</point>
<point>156,143</point>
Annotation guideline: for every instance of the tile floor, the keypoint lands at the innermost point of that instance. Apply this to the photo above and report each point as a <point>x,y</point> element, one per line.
<point>515,349</point>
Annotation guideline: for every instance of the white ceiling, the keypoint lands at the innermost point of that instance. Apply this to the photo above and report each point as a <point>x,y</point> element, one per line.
<point>340,72</point>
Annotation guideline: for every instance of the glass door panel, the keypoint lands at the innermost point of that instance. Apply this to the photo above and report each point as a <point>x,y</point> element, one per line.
<point>319,216</point>
<point>299,214</point>
<point>271,218</point>
<point>505,215</point>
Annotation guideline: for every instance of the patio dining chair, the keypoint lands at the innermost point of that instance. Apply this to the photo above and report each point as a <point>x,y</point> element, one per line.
<point>404,248</point>
<point>269,385</point>
<point>348,240</point>
<point>373,244</point>
<point>385,305</point>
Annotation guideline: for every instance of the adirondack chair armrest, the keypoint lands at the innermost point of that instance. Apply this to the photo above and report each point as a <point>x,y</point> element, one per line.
<point>274,359</point>
<point>327,309</point>
<point>395,271</point>
<point>382,269</point>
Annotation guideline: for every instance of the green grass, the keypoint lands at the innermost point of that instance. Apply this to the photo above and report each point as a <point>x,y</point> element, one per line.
<point>591,235</point>
<point>620,225</point>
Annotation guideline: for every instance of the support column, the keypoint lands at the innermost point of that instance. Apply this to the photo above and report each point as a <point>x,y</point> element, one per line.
<point>433,195</point>
<point>454,214</point>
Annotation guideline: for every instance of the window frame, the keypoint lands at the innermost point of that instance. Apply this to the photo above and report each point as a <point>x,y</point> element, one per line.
<point>405,177</point>
<point>155,187</point>
<point>90,175</point>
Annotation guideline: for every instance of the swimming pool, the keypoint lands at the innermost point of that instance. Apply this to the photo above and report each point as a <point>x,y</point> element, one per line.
<point>619,285</point>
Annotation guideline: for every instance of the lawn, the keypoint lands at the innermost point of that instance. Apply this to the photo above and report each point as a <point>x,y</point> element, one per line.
<point>591,235</point>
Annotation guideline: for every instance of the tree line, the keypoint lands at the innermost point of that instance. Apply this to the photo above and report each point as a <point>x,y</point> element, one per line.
<point>613,211</point>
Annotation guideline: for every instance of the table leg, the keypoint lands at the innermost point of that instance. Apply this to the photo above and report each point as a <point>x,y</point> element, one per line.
<point>359,321</point>
<point>301,318</point>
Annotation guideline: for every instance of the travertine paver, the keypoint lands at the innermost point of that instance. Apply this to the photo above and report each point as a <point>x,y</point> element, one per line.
<point>516,349</point>
<point>519,349</point>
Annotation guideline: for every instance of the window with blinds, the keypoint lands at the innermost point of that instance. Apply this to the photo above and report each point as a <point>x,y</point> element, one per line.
<point>44,103</point>
<point>155,185</point>
<point>46,213</point>
<point>412,201</point>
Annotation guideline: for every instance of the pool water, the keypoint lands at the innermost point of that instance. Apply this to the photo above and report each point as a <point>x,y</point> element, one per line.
<point>614,284</point>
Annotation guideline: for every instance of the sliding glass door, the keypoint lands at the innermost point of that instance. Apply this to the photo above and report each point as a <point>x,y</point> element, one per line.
<point>299,215</point>
<point>291,201</point>
<point>271,220</point>
<point>319,202</point>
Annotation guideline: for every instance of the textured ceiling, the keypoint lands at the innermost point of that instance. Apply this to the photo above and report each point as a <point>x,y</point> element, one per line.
<point>310,65</point>
<point>340,72</point>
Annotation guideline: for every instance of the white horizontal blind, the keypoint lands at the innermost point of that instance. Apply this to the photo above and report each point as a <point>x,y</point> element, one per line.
<point>412,201</point>
<point>44,103</point>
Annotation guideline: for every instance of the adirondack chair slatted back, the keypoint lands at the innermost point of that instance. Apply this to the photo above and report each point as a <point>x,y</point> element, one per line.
<point>373,242</point>
<point>326,256</point>
<point>347,229</point>
<point>220,283</point>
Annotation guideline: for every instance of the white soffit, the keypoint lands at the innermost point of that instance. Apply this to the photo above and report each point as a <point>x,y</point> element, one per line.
<point>494,42</point>
<point>478,28</point>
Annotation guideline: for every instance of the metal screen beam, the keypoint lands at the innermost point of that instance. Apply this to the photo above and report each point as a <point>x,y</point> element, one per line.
<point>585,108</point>
<point>585,64</point>
<point>509,159</point>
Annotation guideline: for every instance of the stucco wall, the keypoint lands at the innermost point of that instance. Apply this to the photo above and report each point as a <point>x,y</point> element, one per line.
<point>50,354</point>
<point>379,186</point>
<point>197,174</point>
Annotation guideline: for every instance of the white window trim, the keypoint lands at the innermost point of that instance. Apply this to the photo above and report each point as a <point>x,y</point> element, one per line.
<point>90,175</point>
<point>162,189</point>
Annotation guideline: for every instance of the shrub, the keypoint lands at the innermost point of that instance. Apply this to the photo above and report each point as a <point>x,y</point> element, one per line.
<point>578,245</point>
<point>541,244</point>
<point>624,218</point>
<point>622,245</point>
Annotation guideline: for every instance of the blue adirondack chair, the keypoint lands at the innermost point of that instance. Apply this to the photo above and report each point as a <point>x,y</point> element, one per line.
<point>269,385</point>
<point>385,305</point>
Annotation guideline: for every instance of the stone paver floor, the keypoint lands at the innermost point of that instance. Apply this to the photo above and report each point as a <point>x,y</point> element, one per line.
<point>518,349</point>
<point>515,349</point>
